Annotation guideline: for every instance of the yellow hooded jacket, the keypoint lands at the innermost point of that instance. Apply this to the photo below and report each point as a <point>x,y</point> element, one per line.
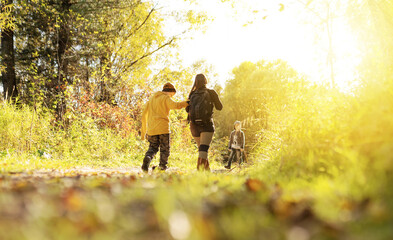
<point>155,119</point>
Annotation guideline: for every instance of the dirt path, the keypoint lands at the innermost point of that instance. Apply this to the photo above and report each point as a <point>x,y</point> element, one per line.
<point>91,172</point>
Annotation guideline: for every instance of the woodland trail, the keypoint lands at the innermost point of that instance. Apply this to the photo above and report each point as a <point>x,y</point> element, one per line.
<point>96,171</point>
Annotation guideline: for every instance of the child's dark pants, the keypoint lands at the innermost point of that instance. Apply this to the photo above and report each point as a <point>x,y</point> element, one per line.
<point>235,155</point>
<point>159,142</point>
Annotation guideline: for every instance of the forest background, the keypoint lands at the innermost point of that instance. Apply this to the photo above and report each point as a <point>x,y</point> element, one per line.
<point>75,77</point>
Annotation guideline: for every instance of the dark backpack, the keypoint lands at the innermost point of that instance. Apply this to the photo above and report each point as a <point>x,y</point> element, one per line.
<point>201,107</point>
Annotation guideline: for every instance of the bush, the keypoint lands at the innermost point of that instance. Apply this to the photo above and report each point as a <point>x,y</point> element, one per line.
<point>83,142</point>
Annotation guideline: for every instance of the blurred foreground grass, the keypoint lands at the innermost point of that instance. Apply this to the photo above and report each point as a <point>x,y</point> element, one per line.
<point>246,203</point>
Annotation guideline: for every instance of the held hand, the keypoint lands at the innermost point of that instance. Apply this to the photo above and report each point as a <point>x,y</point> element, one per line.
<point>144,136</point>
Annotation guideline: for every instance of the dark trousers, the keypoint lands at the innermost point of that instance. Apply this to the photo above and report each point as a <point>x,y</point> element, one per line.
<point>159,142</point>
<point>234,156</point>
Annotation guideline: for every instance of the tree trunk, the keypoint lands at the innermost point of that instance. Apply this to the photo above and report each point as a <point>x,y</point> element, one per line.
<point>62,44</point>
<point>106,74</point>
<point>8,77</point>
<point>106,95</point>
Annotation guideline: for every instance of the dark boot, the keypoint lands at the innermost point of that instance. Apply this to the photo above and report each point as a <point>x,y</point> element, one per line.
<point>162,167</point>
<point>228,166</point>
<point>163,164</point>
<point>199,164</point>
<point>146,163</point>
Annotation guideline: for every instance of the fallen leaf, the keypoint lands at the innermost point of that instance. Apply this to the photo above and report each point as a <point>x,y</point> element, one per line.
<point>72,200</point>
<point>255,185</point>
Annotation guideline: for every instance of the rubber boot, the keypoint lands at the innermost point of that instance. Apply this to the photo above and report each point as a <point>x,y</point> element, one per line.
<point>206,165</point>
<point>146,163</point>
<point>228,166</point>
<point>200,164</point>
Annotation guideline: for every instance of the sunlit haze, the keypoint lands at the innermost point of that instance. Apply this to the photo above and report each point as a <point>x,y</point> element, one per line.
<point>239,34</point>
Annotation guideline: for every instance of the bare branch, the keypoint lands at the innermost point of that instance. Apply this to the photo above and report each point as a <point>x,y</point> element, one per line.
<point>127,67</point>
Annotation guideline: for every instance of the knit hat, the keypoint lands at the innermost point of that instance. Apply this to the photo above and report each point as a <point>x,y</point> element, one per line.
<point>168,88</point>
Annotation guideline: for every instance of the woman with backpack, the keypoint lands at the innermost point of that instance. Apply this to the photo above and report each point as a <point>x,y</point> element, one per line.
<point>200,114</point>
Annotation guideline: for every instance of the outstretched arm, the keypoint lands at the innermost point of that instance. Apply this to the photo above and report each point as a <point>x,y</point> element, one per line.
<point>175,105</point>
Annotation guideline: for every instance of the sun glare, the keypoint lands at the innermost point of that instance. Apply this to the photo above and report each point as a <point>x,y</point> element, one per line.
<point>234,37</point>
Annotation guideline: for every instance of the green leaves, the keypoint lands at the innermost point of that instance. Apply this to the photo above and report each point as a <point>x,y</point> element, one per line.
<point>109,48</point>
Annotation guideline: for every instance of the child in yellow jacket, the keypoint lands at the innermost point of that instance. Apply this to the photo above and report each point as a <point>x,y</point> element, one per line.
<point>155,125</point>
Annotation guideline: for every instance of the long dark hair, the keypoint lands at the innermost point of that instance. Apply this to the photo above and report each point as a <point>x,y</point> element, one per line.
<point>200,82</point>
